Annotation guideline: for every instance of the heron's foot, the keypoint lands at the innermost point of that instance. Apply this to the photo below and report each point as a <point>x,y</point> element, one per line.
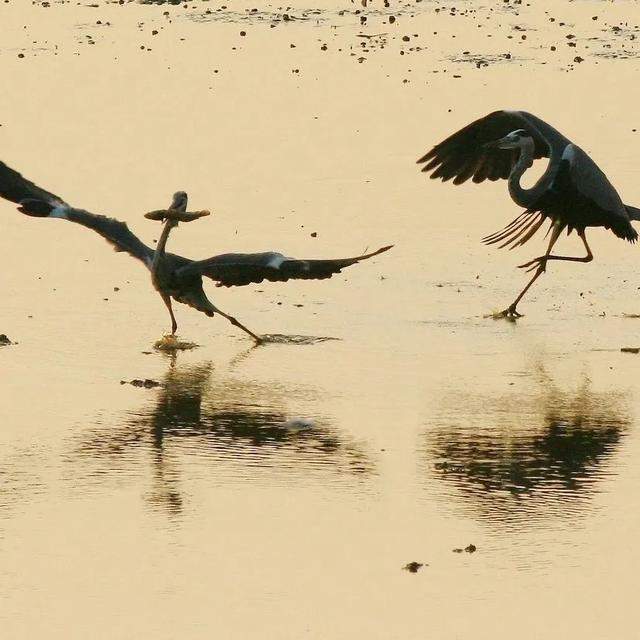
<point>539,263</point>
<point>510,313</point>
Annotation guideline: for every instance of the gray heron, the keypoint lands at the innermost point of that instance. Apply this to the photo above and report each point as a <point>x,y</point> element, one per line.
<point>573,192</point>
<point>174,276</point>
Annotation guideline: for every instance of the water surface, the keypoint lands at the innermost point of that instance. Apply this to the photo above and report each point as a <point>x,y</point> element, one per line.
<point>277,492</point>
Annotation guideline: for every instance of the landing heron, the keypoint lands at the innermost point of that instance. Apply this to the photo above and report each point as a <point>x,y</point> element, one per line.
<point>573,192</point>
<point>174,276</point>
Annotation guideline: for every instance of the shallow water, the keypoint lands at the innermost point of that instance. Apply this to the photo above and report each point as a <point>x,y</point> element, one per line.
<point>194,508</point>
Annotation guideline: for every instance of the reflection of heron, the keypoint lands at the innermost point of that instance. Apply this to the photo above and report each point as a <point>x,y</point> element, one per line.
<point>227,421</point>
<point>172,275</point>
<point>573,192</point>
<point>530,454</point>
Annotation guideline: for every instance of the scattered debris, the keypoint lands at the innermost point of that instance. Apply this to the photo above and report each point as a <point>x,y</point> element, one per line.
<point>147,383</point>
<point>468,549</point>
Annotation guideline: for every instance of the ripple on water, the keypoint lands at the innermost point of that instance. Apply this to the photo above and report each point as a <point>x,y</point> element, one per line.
<point>277,338</point>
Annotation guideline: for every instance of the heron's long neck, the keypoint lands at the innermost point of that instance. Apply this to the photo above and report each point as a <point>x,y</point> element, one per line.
<point>162,243</point>
<point>528,197</point>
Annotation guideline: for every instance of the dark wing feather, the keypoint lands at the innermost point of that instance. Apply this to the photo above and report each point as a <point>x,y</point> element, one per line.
<point>463,155</point>
<point>113,231</point>
<point>35,201</point>
<point>238,269</point>
<point>14,187</point>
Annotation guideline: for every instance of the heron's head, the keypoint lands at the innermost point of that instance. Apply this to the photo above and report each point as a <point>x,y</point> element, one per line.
<point>179,202</point>
<point>514,140</point>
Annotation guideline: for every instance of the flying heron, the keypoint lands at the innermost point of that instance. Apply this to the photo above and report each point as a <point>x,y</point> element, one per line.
<point>172,275</point>
<point>573,192</point>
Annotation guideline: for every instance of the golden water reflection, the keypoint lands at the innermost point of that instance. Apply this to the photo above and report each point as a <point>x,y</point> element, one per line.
<point>224,429</point>
<point>518,459</point>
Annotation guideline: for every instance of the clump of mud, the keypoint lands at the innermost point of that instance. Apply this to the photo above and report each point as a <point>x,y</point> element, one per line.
<point>4,340</point>
<point>413,567</point>
<point>170,343</point>
<point>147,383</point>
<point>468,549</point>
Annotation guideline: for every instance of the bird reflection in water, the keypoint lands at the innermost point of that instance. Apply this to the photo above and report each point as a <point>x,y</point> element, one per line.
<point>513,459</point>
<point>222,428</point>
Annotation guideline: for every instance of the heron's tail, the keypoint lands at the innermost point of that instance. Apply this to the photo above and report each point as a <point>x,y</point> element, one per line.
<point>622,227</point>
<point>518,231</point>
<point>632,212</point>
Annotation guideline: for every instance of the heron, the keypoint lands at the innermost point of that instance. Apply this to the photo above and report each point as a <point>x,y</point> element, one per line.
<point>573,192</point>
<point>173,276</point>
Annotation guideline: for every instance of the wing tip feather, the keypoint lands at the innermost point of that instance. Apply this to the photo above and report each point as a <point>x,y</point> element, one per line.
<point>427,156</point>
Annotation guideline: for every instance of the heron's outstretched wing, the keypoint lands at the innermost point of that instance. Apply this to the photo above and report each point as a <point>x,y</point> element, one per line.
<point>238,269</point>
<point>15,187</point>
<point>116,233</point>
<point>463,155</point>
<point>35,201</point>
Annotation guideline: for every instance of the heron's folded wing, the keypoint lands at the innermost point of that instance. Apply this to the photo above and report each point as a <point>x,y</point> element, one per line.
<point>15,187</point>
<point>590,181</point>
<point>238,269</point>
<point>463,155</point>
<point>579,173</point>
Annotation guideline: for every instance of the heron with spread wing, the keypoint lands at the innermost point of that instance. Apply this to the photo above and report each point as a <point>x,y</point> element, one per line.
<point>172,275</point>
<point>573,193</point>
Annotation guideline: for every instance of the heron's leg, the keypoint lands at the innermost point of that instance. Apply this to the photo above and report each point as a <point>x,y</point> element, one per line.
<point>235,323</point>
<point>510,311</point>
<point>167,301</point>
<point>587,258</point>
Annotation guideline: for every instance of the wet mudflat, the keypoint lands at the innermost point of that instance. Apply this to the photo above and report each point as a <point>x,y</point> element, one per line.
<point>279,491</point>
